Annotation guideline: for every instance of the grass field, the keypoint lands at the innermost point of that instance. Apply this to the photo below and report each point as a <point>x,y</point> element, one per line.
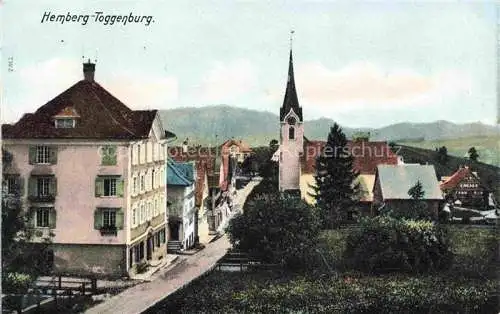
<point>469,286</point>
<point>488,147</point>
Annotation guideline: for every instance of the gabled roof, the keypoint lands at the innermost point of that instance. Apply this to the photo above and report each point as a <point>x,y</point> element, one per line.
<point>101,116</point>
<point>367,155</point>
<point>452,181</point>
<point>396,180</point>
<point>176,173</point>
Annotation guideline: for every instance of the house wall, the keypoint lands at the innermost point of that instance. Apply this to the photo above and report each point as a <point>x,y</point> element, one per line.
<point>290,152</point>
<point>305,181</point>
<point>185,197</point>
<point>402,206</point>
<point>78,165</point>
<point>90,260</point>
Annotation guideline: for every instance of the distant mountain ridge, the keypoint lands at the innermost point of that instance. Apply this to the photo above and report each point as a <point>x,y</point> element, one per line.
<point>201,124</point>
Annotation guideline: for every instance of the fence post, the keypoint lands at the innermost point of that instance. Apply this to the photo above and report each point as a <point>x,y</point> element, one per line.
<point>94,285</point>
<point>83,287</point>
<point>59,282</point>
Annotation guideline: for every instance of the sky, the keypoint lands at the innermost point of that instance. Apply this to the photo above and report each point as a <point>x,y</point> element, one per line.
<point>362,64</point>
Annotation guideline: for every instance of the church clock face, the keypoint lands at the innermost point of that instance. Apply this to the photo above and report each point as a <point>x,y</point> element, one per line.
<point>291,121</point>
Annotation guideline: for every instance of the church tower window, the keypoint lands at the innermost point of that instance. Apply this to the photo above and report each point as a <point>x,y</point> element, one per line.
<point>291,133</point>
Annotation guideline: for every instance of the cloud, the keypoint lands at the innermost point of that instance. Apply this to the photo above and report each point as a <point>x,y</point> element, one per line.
<point>364,84</point>
<point>45,80</point>
<point>143,92</point>
<point>225,82</point>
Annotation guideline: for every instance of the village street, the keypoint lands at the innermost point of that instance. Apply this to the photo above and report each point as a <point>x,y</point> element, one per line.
<point>166,281</point>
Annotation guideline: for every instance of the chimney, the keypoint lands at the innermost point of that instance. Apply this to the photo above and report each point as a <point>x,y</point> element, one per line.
<point>88,71</point>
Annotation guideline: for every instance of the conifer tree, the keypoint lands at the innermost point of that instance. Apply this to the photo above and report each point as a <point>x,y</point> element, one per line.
<point>336,190</point>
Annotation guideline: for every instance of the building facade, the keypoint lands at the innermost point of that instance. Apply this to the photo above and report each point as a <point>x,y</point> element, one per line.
<point>181,204</point>
<point>92,173</point>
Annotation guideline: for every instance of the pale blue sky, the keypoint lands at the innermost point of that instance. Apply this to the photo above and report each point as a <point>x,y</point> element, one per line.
<point>362,64</point>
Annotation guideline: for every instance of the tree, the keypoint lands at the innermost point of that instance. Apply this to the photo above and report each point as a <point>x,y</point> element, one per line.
<point>418,208</point>
<point>473,155</point>
<point>276,229</point>
<point>335,191</point>
<point>442,154</point>
<point>22,260</point>
<point>274,145</point>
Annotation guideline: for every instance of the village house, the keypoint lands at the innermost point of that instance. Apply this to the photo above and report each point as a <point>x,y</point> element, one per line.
<point>238,149</point>
<point>181,205</point>
<point>392,183</point>
<point>464,187</point>
<point>95,178</point>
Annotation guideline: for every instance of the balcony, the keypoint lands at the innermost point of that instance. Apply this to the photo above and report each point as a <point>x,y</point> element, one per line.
<point>42,198</point>
<point>109,231</point>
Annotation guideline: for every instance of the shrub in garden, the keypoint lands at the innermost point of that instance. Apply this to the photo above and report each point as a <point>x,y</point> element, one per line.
<point>276,230</point>
<point>385,244</point>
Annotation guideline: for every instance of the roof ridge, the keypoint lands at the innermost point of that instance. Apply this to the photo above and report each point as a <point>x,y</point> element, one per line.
<point>108,112</point>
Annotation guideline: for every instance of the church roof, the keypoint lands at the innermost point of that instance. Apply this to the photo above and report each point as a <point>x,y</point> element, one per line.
<point>291,100</point>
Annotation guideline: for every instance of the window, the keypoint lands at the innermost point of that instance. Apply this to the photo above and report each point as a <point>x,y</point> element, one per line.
<point>134,189</point>
<point>153,179</point>
<point>143,216</point>
<point>65,123</point>
<point>43,186</point>
<point>10,185</point>
<point>110,187</point>
<point>291,132</point>
<point>42,154</point>
<point>157,239</point>
<point>156,208</point>
<point>42,217</point>
<point>139,153</point>
<point>109,218</point>
<point>142,183</point>
<point>134,218</point>
<point>108,155</point>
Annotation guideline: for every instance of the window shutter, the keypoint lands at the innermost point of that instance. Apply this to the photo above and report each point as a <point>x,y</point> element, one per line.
<point>32,186</point>
<point>31,217</point>
<point>53,155</point>
<point>119,187</point>
<point>97,219</point>
<point>119,219</point>
<point>32,155</point>
<point>52,218</point>
<point>53,186</point>
<point>99,186</point>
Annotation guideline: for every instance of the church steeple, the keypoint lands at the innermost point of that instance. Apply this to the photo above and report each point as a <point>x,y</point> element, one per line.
<point>291,100</point>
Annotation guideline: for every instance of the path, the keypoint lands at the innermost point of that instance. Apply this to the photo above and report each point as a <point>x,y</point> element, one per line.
<point>143,296</point>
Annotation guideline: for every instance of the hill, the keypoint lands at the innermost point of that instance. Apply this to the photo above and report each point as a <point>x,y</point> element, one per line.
<point>201,124</point>
<point>488,147</point>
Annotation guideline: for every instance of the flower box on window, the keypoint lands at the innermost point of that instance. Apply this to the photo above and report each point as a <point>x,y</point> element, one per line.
<point>109,230</point>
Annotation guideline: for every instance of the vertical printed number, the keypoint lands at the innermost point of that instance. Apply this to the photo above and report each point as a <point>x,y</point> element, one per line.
<point>10,62</point>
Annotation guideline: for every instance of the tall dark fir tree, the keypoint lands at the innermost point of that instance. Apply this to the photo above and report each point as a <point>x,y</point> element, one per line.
<point>336,190</point>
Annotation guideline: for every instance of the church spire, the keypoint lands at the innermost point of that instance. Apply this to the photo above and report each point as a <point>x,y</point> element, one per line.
<point>291,100</point>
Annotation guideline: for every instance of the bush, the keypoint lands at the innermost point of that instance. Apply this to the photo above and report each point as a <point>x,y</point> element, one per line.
<point>14,282</point>
<point>385,244</point>
<point>276,230</point>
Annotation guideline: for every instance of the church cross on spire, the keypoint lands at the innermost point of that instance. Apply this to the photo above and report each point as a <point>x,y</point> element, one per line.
<point>291,100</point>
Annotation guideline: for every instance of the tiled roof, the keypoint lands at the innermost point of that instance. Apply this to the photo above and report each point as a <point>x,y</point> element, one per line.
<point>367,155</point>
<point>101,116</point>
<point>452,181</point>
<point>396,180</point>
<point>244,147</point>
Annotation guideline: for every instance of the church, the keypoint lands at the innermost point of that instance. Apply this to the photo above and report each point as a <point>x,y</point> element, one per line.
<point>297,154</point>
